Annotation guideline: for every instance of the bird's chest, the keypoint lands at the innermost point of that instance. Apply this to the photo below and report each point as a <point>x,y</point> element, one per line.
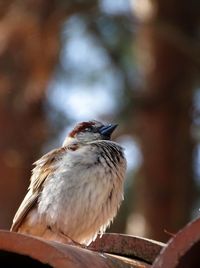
<point>76,191</point>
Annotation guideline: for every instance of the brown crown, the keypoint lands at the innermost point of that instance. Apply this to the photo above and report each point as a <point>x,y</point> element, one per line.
<point>80,127</point>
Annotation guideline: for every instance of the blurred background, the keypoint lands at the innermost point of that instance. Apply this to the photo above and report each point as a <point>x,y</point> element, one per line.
<point>134,62</point>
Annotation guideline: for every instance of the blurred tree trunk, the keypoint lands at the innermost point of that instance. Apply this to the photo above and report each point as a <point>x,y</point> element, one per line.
<point>28,52</point>
<point>165,45</point>
<point>29,47</point>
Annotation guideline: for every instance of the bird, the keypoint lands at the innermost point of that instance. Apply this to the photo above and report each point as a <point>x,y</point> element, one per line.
<point>75,190</point>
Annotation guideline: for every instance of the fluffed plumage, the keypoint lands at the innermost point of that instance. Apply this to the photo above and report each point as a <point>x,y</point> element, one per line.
<point>75,190</point>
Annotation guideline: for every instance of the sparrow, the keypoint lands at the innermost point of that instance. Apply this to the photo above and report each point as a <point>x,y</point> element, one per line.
<point>75,190</point>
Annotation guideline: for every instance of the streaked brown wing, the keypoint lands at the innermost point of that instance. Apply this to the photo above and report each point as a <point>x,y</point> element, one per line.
<point>44,166</point>
<point>26,205</point>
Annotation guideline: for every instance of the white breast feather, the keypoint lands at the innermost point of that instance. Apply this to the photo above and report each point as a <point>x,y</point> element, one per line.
<point>77,203</point>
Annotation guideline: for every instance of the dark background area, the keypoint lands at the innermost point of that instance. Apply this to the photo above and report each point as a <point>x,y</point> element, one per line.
<point>136,63</point>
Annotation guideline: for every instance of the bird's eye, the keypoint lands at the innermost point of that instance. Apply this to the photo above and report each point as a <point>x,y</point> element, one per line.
<point>88,129</point>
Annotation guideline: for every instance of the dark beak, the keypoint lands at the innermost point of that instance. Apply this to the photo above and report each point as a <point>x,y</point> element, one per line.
<point>106,131</point>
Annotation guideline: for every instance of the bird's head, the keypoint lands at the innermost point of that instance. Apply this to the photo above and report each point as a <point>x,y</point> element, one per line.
<point>90,131</point>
